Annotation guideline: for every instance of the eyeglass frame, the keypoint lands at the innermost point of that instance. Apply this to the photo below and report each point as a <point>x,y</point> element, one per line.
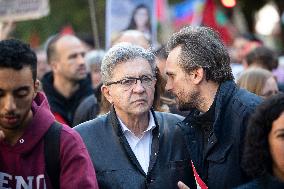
<point>152,77</point>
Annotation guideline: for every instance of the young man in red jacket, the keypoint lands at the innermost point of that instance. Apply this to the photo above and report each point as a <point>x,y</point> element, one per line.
<point>25,120</point>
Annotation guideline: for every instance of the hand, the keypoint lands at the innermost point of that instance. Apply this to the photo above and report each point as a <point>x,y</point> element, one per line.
<point>2,136</point>
<point>181,185</point>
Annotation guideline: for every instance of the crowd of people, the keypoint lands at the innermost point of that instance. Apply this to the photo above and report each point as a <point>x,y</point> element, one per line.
<point>191,114</point>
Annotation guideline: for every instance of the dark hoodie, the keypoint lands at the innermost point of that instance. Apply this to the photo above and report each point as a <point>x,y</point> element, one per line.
<point>23,165</point>
<point>64,108</point>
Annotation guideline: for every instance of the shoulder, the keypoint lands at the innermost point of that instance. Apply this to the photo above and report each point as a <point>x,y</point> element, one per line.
<point>87,110</point>
<point>92,125</point>
<point>165,116</point>
<point>168,122</point>
<point>237,98</point>
<point>244,101</point>
<point>70,138</point>
<point>89,100</point>
<point>250,185</point>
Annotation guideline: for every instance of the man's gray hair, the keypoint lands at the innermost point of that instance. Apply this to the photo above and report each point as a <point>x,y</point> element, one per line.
<point>202,47</point>
<point>122,53</point>
<point>94,57</point>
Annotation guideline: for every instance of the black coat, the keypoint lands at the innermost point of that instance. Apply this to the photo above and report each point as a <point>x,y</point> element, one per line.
<point>65,107</point>
<point>116,165</point>
<point>264,182</point>
<point>220,167</point>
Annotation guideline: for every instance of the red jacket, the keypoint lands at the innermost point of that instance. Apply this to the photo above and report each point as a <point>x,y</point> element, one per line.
<point>23,164</point>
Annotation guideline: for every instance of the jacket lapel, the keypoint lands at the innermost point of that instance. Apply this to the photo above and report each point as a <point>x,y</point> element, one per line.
<point>124,142</point>
<point>155,143</point>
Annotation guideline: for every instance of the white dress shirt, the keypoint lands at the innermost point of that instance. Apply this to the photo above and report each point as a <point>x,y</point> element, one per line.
<point>141,146</point>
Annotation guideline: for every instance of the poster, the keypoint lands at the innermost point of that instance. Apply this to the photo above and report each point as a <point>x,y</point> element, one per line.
<point>125,14</point>
<point>19,10</point>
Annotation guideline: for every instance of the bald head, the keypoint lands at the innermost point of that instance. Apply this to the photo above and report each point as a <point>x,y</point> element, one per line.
<point>57,42</point>
<point>134,37</point>
<point>66,57</point>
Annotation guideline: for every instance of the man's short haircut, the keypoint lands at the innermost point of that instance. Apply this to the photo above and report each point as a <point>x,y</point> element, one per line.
<point>94,58</point>
<point>264,57</point>
<point>201,47</point>
<point>50,47</point>
<point>135,37</point>
<point>16,55</point>
<point>122,53</point>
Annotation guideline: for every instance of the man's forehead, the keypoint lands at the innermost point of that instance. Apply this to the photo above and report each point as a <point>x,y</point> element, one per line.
<point>138,66</point>
<point>68,42</point>
<point>173,57</point>
<point>11,77</point>
<point>175,52</point>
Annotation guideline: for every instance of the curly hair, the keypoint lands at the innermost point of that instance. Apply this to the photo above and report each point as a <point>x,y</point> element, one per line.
<point>257,160</point>
<point>16,55</point>
<point>202,47</point>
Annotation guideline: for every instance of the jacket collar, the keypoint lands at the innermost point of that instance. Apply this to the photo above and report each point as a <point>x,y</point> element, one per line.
<point>226,90</point>
<point>224,94</point>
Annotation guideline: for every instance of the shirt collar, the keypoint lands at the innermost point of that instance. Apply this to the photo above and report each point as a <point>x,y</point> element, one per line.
<point>151,124</point>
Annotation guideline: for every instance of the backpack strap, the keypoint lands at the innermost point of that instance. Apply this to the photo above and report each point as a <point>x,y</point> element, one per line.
<point>52,154</point>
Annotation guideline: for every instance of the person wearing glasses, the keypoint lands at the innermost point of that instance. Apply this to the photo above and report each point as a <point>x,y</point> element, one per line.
<point>133,146</point>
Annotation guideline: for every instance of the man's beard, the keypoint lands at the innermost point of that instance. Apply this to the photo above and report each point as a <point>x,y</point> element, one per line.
<point>192,101</point>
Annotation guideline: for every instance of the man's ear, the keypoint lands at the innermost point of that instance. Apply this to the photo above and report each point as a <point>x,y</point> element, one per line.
<point>36,87</point>
<point>198,75</point>
<point>54,65</point>
<point>106,92</point>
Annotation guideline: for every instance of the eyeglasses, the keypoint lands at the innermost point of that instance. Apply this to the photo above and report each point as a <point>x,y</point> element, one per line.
<point>129,82</point>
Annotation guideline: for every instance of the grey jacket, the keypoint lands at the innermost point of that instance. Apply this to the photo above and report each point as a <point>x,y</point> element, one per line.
<point>116,165</point>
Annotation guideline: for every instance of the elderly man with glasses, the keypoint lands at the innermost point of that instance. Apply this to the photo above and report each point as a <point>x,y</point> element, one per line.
<point>133,146</point>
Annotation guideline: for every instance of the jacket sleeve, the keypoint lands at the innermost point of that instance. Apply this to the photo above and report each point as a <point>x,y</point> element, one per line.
<point>77,170</point>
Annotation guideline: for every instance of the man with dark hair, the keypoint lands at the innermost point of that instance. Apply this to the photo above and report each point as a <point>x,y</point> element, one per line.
<point>29,155</point>
<point>67,85</point>
<point>262,57</point>
<point>200,77</point>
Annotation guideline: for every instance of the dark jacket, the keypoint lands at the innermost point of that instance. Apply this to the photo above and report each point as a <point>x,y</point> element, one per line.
<point>88,109</point>
<point>220,167</point>
<point>116,165</point>
<point>61,107</point>
<point>265,182</point>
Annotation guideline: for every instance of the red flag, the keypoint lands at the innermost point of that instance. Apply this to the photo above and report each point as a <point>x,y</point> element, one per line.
<point>67,30</point>
<point>211,15</point>
<point>160,10</point>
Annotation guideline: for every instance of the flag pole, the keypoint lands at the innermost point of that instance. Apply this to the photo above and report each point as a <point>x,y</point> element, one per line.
<point>94,23</point>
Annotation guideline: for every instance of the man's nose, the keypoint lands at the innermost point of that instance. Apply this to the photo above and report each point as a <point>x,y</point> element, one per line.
<point>138,86</point>
<point>9,104</point>
<point>81,58</point>
<point>168,86</point>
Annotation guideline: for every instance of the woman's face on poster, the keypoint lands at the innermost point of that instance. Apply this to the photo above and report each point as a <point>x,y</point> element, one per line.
<point>141,17</point>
